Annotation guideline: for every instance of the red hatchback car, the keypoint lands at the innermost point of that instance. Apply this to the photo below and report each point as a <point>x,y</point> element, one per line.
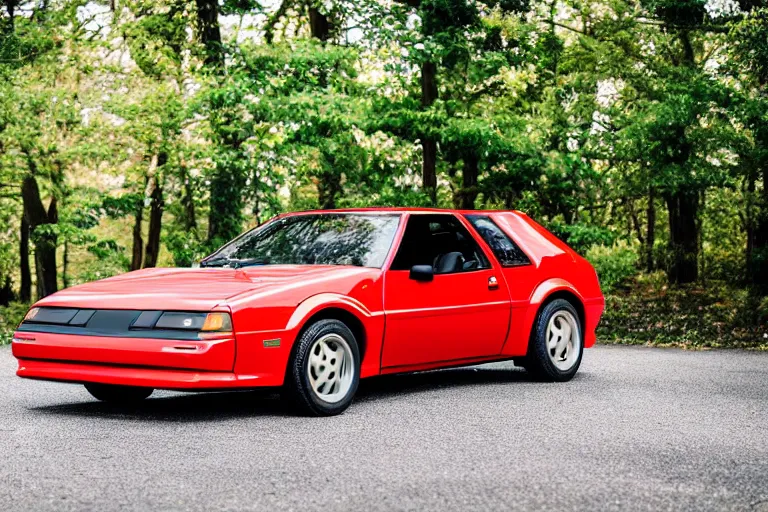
<point>314,301</point>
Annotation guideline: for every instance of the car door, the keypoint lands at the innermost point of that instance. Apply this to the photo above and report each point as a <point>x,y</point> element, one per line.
<point>461,313</point>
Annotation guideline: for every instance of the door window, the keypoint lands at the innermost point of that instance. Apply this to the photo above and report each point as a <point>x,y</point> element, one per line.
<point>440,241</point>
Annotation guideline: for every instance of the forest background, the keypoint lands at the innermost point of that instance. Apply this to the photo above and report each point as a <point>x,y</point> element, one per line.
<point>142,133</point>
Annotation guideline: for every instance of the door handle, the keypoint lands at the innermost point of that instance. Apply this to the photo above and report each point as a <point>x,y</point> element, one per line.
<point>493,283</point>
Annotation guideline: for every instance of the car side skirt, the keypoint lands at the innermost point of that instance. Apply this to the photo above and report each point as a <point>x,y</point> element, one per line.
<point>444,364</point>
<point>186,380</point>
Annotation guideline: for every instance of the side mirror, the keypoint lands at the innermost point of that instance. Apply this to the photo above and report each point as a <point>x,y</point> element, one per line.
<point>422,273</point>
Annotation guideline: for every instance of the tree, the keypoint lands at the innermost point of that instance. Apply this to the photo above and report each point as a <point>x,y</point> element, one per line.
<point>749,38</point>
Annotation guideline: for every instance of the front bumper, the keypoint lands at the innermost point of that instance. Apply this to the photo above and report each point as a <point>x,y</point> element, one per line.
<point>157,363</point>
<point>158,378</point>
<point>205,355</point>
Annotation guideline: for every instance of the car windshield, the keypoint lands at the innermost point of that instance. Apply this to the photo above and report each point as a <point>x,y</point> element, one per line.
<point>361,240</point>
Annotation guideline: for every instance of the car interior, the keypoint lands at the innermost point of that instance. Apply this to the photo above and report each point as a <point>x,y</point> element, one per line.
<point>440,241</point>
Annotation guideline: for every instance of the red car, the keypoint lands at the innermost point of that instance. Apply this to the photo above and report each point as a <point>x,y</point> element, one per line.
<point>315,301</point>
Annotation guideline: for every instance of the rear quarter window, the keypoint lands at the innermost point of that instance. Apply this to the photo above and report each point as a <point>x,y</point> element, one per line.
<point>503,247</point>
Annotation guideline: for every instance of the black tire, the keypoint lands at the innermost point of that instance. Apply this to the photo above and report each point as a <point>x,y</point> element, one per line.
<point>118,394</point>
<point>538,361</point>
<point>297,385</point>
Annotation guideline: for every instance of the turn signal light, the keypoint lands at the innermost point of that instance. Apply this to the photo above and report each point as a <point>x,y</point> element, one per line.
<point>217,322</point>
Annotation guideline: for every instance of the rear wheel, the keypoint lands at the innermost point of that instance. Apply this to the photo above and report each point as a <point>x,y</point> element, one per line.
<point>556,347</point>
<point>118,394</point>
<point>325,369</point>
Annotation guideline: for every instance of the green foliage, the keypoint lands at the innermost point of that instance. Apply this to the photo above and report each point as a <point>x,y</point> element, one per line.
<point>594,117</point>
<point>158,40</point>
<point>582,237</point>
<point>10,318</point>
<point>686,13</point>
<point>651,313</point>
<point>762,310</point>
<point>185,247</point>
<point>750,40</point>
<point>613,264</point>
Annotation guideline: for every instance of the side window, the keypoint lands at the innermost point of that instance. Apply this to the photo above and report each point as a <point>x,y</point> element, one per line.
<point>441,241</point>
<point>507,251</point>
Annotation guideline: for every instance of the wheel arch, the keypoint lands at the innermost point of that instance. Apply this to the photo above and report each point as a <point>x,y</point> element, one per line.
<point>544,294</point>
<point>339,307</point>
<point>569,296</point>
<point>349,319</point>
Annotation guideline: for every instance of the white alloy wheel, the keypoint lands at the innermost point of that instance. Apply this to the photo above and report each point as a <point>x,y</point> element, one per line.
<point>563,340</point>
<point>331,368</point>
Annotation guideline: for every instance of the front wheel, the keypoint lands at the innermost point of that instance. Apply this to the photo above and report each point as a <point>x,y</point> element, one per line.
<point>324,371</point>
<point>118,394</point>
<point>556,347</point>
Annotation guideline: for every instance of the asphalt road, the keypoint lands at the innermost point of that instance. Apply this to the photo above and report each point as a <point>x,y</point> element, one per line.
<point>637,429</point>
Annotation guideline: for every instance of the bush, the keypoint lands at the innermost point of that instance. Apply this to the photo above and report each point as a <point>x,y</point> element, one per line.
<point>580,237</point>
<point>613,264</point>
<point>762,310</point>
<point>10,318</point>
<point>691,315</point>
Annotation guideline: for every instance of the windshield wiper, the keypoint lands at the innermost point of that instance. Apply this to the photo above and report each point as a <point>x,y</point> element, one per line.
<point>249,262</point>
<point>233,262</point>
<point>215,262</point>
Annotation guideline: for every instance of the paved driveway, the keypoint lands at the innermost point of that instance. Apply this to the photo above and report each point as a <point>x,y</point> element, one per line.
<point>638,428</point>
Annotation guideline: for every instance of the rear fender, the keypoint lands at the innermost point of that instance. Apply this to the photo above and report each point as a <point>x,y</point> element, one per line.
<point>524,315</point>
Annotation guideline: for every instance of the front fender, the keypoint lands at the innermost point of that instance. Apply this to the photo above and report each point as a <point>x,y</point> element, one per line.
<point>372,323</point>
<point>268,324</point>
<point>314,304</point>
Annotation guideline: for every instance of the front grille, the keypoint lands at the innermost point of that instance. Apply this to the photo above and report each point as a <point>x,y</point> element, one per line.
<point>122,323</point>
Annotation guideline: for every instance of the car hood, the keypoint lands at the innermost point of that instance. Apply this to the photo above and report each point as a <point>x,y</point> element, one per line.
<point>198,289</point>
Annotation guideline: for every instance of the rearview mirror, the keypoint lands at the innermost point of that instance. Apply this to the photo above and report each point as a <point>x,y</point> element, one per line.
<point>422,273</point>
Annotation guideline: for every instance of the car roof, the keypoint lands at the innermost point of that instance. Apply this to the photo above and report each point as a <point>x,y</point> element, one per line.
<point>403,210</point>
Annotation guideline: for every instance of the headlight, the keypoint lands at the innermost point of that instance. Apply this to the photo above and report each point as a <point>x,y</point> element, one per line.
<point>207,322</point>
<point>184,321</point>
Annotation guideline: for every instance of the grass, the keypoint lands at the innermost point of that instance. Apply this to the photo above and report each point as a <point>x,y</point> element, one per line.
<point>645,311</point>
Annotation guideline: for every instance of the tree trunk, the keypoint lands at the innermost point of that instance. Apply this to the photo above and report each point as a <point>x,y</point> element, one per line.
<point>65,266</point>
<point>45,243</point>
<point>319,25</point>
<point>10,6</point>
<point>468,192</point>
<point>45,256</point>
<point>635,221</point>
<point>683,209</point>
<point>25,287</point>
<point>155,225</point>
<point>209,32</point>
<point>429,94</point>
<point>6,292</point>
<point>188,203</point>
<point>328,187</point>
<point>650,237</point>
<point>226,215</point>
<point>225,203</point>
<point>138,242</point>
<point>749,220</point>
<point>758,263</point>
<point>329,182</point>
